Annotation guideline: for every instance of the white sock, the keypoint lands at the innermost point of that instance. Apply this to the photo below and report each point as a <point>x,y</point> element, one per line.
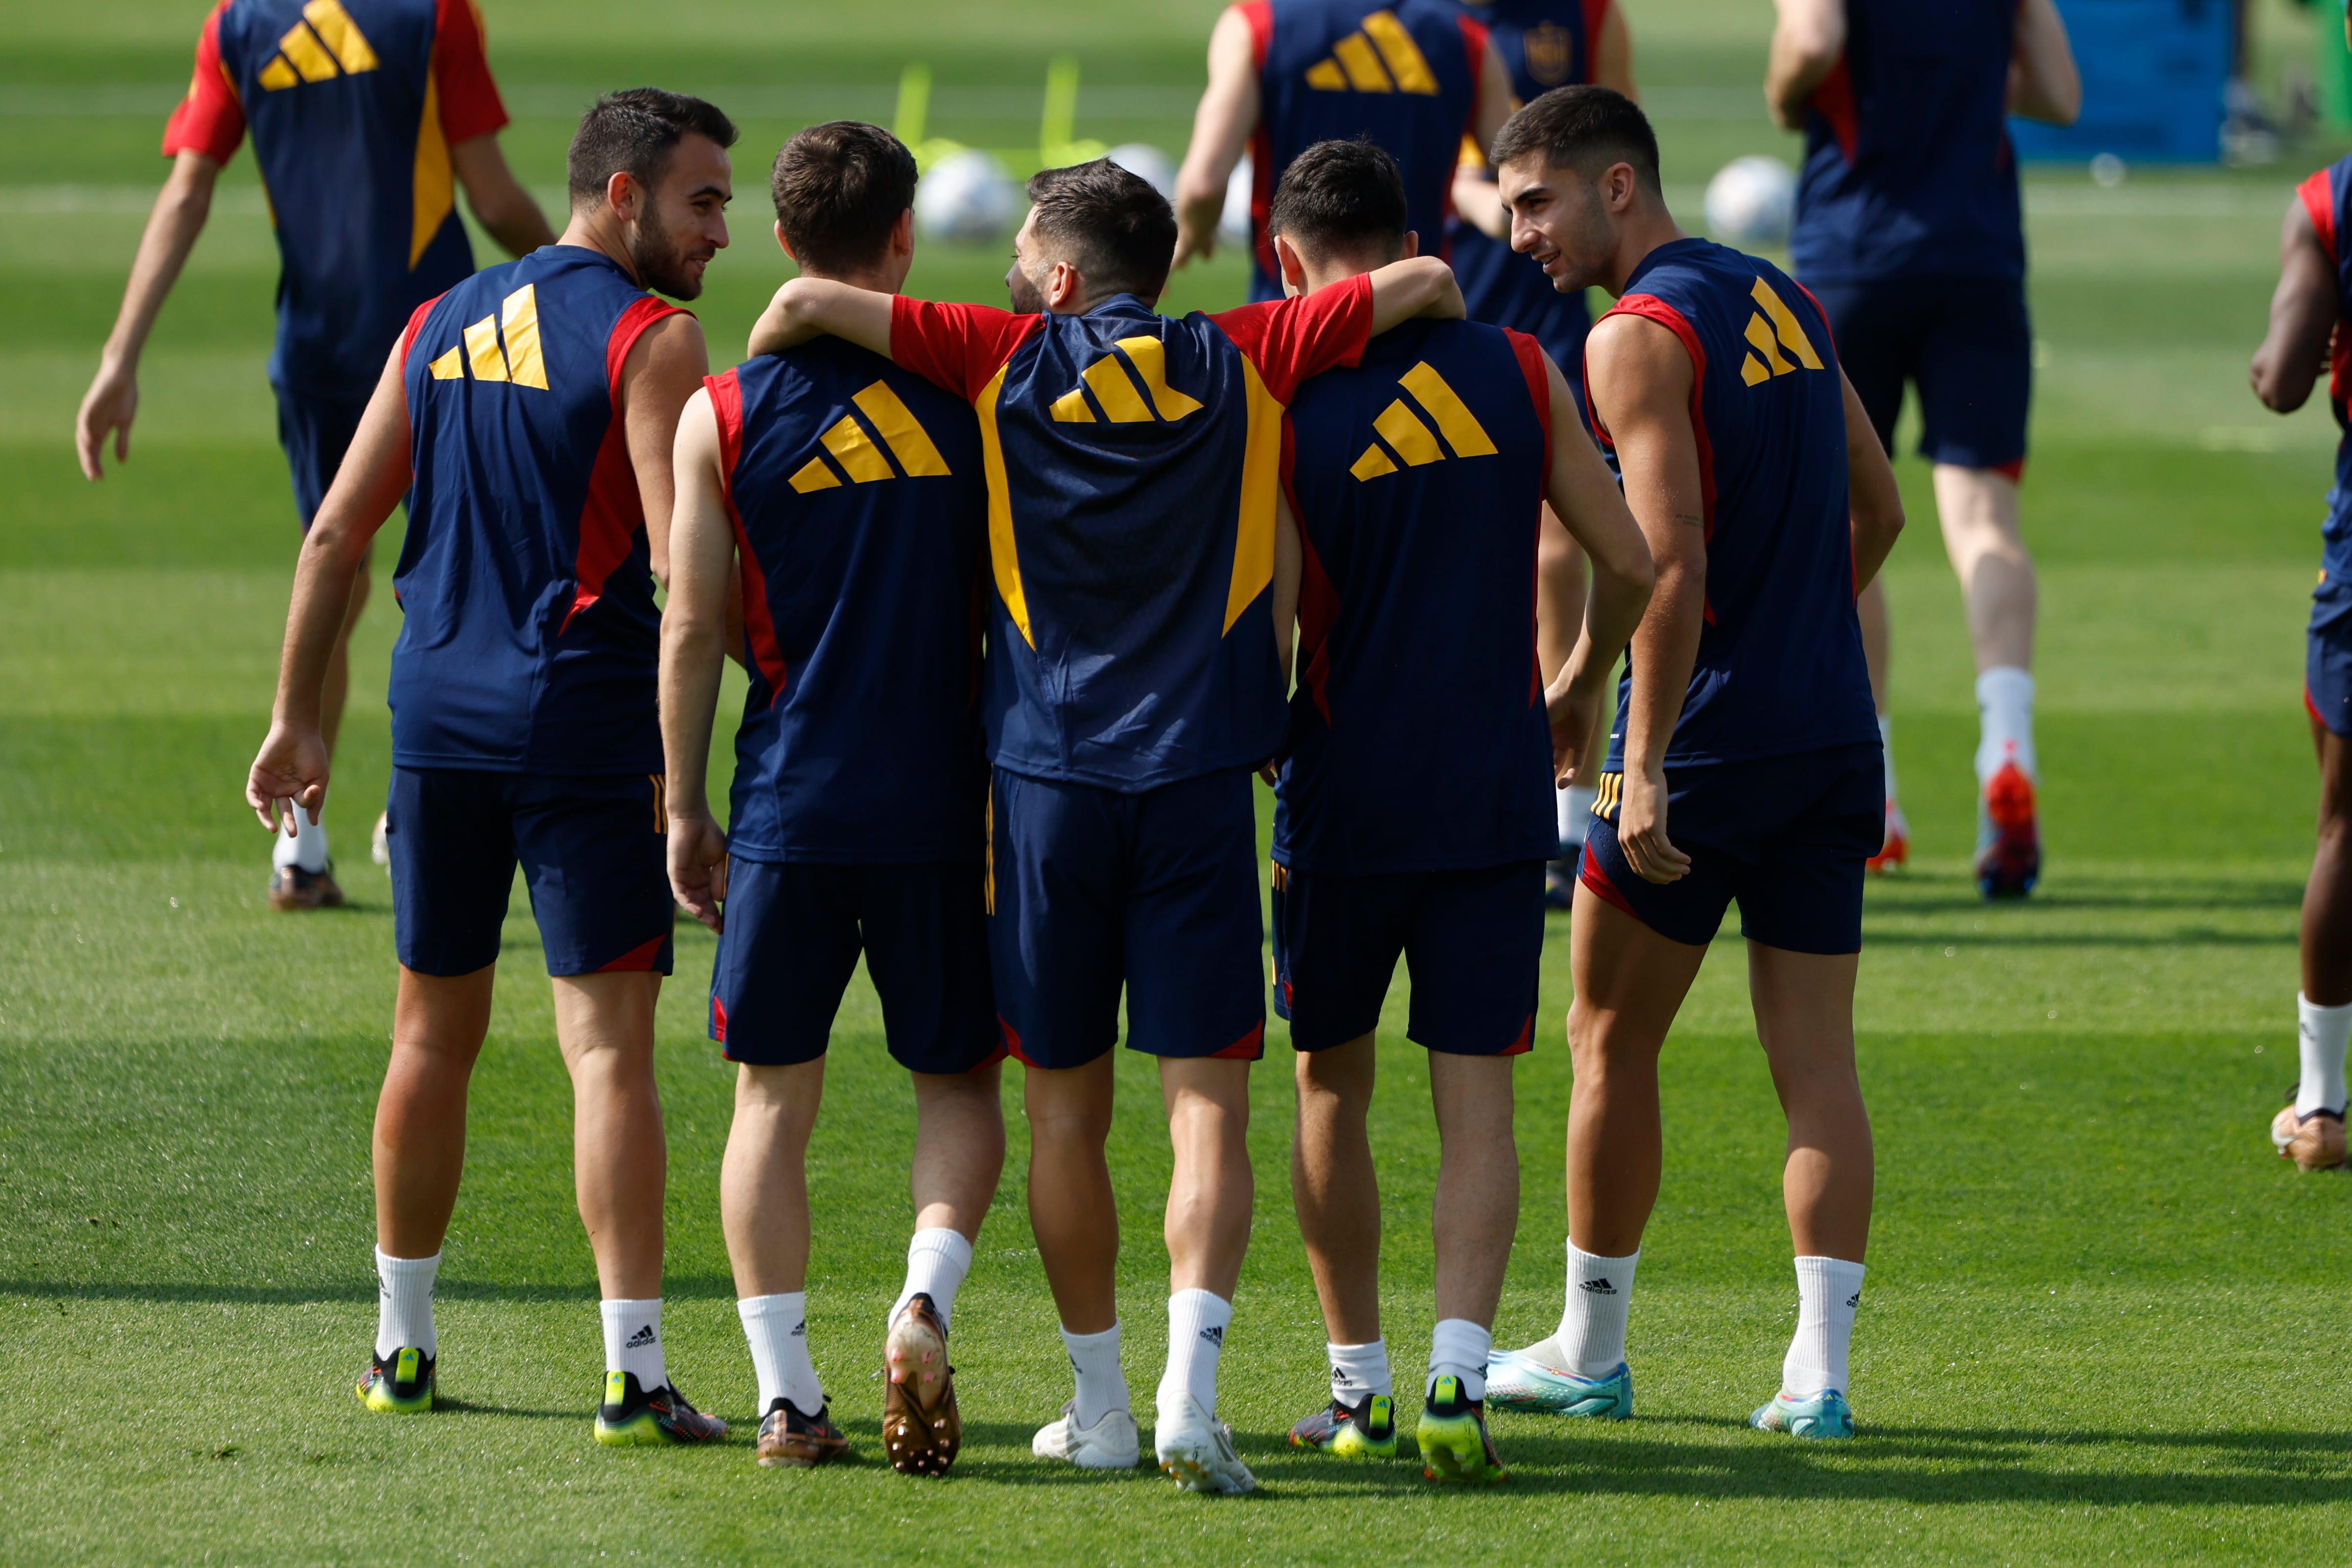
<point>2322,1032</point>
<point>632,1341</point>
<point>777,1329</point>
<point>1575,806</point>
<point>1886,746</point>
<point>1361,1370</point>
<point>1102,1386</point>
<point>1197,1323</point>
<point>1590,1341</point>
<point>937,1261</point>
<point>404,1302</point>
<point>1459,1348</point>
<point>1828,1289</point>
<point>307,849</point>
<point>2005,714</point>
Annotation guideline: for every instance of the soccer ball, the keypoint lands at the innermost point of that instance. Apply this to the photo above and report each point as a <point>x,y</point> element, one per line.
<point>967,199</point>
<point>1233,225</point>
<point>1146,164</point>
<point>1751,201</point>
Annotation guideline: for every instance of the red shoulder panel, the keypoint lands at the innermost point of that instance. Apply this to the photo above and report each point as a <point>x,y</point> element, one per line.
<point>1530,356</point>
<point>461,69</point>
<point>759,626</point>
<point>1259,15</point>
<point>1834,101</point>
<point>2318,196</point>
<point>416,325</point>
<point>1290,340</point>
<point>210,119</point>
<point>614,510</point>
<point>959,347</point>
<point>1666,316</point>
<point>1596,13</point>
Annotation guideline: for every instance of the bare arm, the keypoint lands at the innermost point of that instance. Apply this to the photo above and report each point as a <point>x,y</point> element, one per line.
<point>1586,499</point>
<point>1221,128</point>
<point>1612,54</point>
<point>1874,505</point>
<point>1641,379</point>
<point>1496,100</point>
<point>1808,39</point>
<point>694,636</point>
<point>292,763</point>
<point>500,205</point>
<point>2042,82</point>
<point>1417,286</point>
<point>664,367</point>
<point>807,307</point>
<point>112,400</point>
<point>1478,203</point>
<point>2303,309</point>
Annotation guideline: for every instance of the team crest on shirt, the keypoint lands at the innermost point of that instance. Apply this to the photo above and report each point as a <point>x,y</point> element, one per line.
<point>1768,338</point>
<point>1109,385</point>
<point>1379,57</point>
<point>1551,52</point>
<point>518,361</point>
<point>325,44</point>
<point>1405,437</point>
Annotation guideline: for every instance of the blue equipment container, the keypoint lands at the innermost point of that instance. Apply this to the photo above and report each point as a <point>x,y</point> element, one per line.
<point>2153,74</point>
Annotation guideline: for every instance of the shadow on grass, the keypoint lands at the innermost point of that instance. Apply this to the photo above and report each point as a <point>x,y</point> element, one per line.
<point>688,1287</point>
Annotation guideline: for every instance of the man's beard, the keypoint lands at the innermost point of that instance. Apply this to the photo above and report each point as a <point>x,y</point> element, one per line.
<point>1028,300</point>
<point>660,265</point>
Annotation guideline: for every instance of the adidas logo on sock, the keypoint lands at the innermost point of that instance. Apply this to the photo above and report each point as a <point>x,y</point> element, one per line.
<point>1216,1336</point>
<point>1854,1300</point>
<point>800,1330</point>
<point>1600,1287</point>
<point>643,1337</point>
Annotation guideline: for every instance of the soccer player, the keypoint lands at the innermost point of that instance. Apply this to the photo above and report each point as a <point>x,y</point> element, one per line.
<point>1909,233</point>
<point>528,415</point>
<point>2313,296</point>
<point>1415,75</point>
<point>1543,43</point>
<point>364,115</point>
<point>1412,815</point>
<point>1146,577</point>
<point>851,490</point>
<point>1744,762</point>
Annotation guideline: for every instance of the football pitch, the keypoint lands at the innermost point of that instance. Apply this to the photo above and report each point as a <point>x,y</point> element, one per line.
<point>2103,1321</point>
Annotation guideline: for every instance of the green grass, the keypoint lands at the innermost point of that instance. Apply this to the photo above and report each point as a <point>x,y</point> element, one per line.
<point>2102,1320</point>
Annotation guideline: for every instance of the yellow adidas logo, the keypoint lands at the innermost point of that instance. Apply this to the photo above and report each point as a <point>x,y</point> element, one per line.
<point>1768,338</point>
<point>325,44</point>
<point>1410,440</point>
<point>1380,58</point>
<point>519,363</point>
<point>1108,378</point>
<point>857,452</point>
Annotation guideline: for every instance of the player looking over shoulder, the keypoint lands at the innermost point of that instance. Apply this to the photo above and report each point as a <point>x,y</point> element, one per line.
<point>1745,760</point>
<point>528,415</point>
<point>1415,75</point>
<point>365,115</point>
<point>2306,335</point>
<point>1543,43</point>
<point>1412,815</point>
<point>1146,575</point>
<point>850,491</point>
<point>1908,231</point>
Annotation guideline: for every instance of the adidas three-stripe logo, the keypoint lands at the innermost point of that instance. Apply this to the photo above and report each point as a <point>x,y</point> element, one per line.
<point>1768,338</point>
<point>324,45</point>
<point>1112,383</point>
<point>1382,57</point>
<point>520,362</point>
<point>858,454</point>
<point>1409,439</point>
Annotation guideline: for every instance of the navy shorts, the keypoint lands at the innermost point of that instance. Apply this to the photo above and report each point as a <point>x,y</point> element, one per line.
<point>1472,940</point>
<point>316,432</point>
<point>1787,836</point>
<point>1965,341</point>
<point>793,931</point>
<point>593,854</point>
<point>1089,889</point>
<point>2327,656</point>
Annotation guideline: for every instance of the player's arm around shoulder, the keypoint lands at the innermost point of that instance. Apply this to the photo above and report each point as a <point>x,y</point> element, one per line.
<point>807,307</point>
<point>693,642</point>
<point>2304,311</point>
<point>663,368</point>
<point>1416,286</point>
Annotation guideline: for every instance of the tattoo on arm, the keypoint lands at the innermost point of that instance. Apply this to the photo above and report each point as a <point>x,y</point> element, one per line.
<point>1690,518</point>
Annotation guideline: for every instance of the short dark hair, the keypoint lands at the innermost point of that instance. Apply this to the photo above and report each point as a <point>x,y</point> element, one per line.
<point>1118,230</point>
<point>631,133</point>
<point>1345,196</point>
<point>839,190</point>
<point>1585,127</point>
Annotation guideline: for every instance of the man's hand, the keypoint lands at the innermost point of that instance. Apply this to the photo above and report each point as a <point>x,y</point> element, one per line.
<point>1572,705</point>
<point>1642,829</point>
<point>698,867</point>
<point>289,773</point>
<point>107,408</point>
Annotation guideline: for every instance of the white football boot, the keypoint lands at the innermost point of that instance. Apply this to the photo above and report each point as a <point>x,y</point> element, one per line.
<point>1110,1444</point>
<point>1197,1451</point>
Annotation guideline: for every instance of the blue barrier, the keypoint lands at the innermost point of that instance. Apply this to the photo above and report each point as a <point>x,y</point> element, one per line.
<point>2153,74</point>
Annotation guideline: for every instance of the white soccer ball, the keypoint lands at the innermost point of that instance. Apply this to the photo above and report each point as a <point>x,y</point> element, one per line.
<point>1146,164</point>
<point>1233,225</point>
<point>1751,201</point>
<point>967,199</point>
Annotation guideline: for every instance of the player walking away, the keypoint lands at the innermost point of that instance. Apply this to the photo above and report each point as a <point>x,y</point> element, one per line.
<point>365,114</point>
<point>2315,295</point>
<point>1543,43</point>
<point>1743,726</point>
<point>1146,577</point>
<point>852,490</point>
<point>1415,77</point>
<point>1908,232</point>
<point>1412,815</point>
<point>528,415</point>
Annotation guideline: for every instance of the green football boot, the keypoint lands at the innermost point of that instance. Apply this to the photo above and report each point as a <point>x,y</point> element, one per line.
<point>1455,1444</point>
<point>1361,1431</point>
<point>631,1415</point>
<point>400,1383</point>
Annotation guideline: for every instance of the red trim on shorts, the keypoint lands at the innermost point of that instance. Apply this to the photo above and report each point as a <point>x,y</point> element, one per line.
<point>2312,709</point>
<point>1525,1043</point>
<point>2014,472</point>
<point>719,1020</point>
<point>1248,1048</point>
<point>1011,1037</point>
<point>1589,872</point>
<point>636,959</point>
